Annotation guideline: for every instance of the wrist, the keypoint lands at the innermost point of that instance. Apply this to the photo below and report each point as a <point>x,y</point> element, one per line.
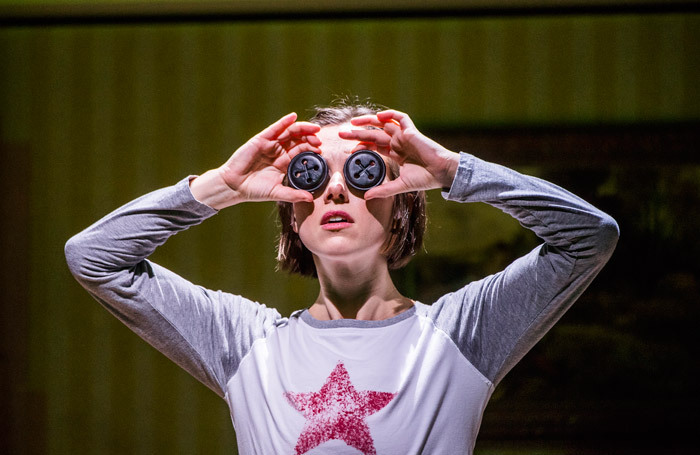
<point>211,189</point>
<point>450,163</point>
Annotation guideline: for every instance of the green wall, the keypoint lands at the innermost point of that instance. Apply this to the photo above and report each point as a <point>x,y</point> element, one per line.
<point>104,113</point>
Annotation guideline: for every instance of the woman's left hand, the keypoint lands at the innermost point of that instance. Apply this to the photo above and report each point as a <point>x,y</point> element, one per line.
<point>424,164</point>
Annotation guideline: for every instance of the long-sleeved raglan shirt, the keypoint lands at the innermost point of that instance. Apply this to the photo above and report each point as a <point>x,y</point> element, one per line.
<point>417,383</point>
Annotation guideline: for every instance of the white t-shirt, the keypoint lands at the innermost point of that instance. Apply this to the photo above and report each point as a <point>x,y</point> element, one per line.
<point>415,383</point>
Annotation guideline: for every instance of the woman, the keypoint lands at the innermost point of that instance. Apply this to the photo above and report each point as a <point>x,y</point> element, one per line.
<point>364,369</point>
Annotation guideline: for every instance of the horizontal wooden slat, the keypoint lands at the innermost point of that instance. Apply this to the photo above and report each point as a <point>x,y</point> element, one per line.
<point>56,12</point>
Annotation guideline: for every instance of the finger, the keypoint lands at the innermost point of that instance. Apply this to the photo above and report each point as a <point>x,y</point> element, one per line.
<point>392,127</point>
<point>299,129</point>
<point>386,189</point>
<point>289,194</point>
<point>311,139</point>
<point>300,148</point>
<point>290,142</point>
<point>273,131</point>
<point>365,120</point>
<point>396,116</point>
<point>379,137</point>
<point>388,124</point>
<point>304,128</point>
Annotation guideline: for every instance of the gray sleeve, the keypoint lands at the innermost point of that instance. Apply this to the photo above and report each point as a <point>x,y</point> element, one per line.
<point>497,320</point>
<point>205,332</point>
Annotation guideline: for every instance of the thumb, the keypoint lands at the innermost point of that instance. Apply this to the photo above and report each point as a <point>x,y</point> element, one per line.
<point>287,194</point>
<point>386,189</point>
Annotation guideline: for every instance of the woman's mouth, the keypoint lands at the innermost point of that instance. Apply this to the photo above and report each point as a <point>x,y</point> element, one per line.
<point>335,220</point>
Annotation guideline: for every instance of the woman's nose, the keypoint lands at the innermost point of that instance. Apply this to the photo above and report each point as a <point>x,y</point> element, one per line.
<point>336,190</point>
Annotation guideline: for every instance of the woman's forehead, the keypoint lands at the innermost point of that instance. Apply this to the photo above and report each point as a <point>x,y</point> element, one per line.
<point>332,143</point>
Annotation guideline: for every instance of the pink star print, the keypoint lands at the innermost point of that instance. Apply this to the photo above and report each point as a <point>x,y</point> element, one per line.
<point>337,411</point>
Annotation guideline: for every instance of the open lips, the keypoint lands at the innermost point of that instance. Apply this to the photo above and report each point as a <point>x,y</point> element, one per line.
<point>336,220</point>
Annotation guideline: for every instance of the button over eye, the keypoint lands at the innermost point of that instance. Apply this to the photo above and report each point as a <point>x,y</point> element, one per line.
<point>307,171</point>
<point>364,170</point>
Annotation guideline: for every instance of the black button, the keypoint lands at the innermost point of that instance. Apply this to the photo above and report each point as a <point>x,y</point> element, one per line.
<point>364,169</point>
<point>307,171</point>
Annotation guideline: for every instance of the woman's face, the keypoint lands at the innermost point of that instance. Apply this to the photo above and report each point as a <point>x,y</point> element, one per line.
<point>339,223</point>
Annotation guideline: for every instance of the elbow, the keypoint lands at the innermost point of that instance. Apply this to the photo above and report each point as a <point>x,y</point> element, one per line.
<point>597,242</point>
<point>75,251</point>
<point>608,235</point>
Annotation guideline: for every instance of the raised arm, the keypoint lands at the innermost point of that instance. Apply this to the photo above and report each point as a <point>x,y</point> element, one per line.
<point>205,332</point>
<point>495,321</point>
<point>255,171</point>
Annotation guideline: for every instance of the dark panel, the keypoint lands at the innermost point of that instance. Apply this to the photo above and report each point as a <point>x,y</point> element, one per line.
<point>22,411</point>
<point>577,147</point>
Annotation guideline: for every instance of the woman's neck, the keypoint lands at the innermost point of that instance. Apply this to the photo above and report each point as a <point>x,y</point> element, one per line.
<point>351,292</point>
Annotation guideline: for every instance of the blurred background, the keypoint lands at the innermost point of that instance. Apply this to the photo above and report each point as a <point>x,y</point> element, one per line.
<point>103,101</point>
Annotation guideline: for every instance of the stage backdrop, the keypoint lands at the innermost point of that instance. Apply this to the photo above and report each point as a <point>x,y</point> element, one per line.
<point>93,115</point>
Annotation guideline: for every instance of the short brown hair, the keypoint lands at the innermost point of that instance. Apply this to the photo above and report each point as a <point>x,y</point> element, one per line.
<point>408,212</point>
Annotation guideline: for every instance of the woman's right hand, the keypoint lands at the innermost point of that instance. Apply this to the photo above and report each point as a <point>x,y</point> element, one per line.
<point>256,170</point>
